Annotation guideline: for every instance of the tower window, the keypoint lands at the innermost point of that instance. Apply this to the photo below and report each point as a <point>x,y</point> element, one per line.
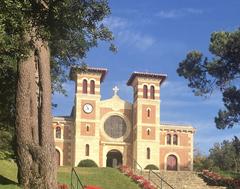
<point>84,87</point>
<point>169,139</point>
<point>148,153</point>
<point>92,87</point>
<point>148,112</point>
<point>175,139</point>
<point>148,131</point>
<point>87,150</point>
<point>58,132</point>
<point>87,128</point>
<point>152,92</point>
<point>145,91</point>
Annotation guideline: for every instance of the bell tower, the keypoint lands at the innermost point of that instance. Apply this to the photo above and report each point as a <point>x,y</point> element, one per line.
<point>86,112</point>
<point>146,117</point>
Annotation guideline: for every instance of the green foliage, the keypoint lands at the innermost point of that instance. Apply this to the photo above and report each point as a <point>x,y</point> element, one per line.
<point>201,162</point>
<point>87,163</point>
<point>225,157</point>
<point>236,145</point>
<point>6,139</point>
<point>229,174</point>
<point>70,28</point>
<point>5,154</point>
<point>152,167</point>
<point>221,72</point>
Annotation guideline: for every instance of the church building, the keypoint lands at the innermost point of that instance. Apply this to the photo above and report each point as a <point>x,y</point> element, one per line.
<point>113,131</point>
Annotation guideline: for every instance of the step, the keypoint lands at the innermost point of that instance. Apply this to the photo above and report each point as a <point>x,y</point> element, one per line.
<point>180,180</point>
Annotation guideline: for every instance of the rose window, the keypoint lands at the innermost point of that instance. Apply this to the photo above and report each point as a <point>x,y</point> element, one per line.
<point>115,126</point>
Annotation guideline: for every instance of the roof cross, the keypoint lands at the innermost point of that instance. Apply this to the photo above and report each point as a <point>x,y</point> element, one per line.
<point>115,89</point>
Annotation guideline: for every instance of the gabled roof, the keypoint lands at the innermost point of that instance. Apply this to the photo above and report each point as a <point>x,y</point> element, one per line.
<point>162,77</point>
<point>115,103</point>
<point>74,70</point>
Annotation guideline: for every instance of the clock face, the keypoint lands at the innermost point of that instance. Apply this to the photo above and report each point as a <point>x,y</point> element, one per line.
<point>88,108</point>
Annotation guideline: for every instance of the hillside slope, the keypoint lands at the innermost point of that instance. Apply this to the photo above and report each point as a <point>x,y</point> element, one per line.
<point>107,178</point>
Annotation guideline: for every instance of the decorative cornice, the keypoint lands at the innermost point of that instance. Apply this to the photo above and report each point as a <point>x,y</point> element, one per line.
<point>115,143</point>
<point>161,77</point>
<point>76,69</point>
<point>182,128</point>
<point>62,118</point>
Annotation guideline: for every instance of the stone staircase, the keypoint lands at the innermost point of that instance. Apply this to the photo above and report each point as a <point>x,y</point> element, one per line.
<point>179,180</point>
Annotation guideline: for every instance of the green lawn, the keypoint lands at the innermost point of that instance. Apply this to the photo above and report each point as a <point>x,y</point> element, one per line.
<point>8,175</point>
<point>107,178</point>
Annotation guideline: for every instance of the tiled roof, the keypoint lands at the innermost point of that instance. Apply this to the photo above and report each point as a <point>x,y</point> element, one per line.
<point>103,71</point>
<point>147,75</point>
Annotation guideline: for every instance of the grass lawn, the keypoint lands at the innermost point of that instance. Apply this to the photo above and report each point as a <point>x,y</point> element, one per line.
<point>8,175</point>
<point>107,178</point>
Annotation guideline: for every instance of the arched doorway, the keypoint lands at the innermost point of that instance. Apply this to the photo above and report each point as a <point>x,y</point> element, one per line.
<point>57,157</point>
<point>172,163</point>
<point>114,158</point>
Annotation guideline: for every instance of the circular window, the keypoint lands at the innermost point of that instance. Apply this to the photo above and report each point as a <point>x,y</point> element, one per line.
<point>115,126</point>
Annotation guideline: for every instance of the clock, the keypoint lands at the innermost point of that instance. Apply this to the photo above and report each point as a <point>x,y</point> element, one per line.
<point>87,108</point>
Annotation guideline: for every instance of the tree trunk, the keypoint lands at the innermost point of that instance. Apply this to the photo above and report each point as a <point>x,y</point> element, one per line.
<point>34,134</point>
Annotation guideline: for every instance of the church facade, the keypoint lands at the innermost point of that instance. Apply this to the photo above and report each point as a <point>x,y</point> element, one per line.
<point>113,131</point>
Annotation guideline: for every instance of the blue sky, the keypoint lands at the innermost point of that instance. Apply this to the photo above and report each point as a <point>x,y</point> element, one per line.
<point>154,36</point>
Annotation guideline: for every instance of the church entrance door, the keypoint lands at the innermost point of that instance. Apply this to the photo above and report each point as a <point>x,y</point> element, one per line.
<point>114,158</point>
<point>172,163</point>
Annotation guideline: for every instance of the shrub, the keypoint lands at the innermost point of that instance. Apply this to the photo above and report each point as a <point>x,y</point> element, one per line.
<point>62,186</point>
<point>152,167</point>
<point>92,187</point>
<point>87,163</point>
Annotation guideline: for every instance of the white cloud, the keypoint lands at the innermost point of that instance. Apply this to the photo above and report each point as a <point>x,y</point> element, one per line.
<point>193,11</point>
<point>176,13</point>
<point>177,93</point>
<point>126,35</point>
<point>216,138</point>
<point>135,39</point>
<point>207,134</point>
<point>115,23</point>
<point>178,88</point>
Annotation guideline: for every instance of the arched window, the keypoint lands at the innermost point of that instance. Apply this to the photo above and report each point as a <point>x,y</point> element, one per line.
<point>145,91</point>
<point>168,139</point>
<point>92,87</point>
<point>115,126</point>
<point>148,131</point>
<point>58,132</point>
<point>148,112</point>
<point>152,92</point>
<point>84,87</point>
<point>148,153</point>
<point>87,128</point>
<point>87,150</point>
<point>175,139</point>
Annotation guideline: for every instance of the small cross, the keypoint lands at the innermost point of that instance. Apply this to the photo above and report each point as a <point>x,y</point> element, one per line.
<point>115,89</point>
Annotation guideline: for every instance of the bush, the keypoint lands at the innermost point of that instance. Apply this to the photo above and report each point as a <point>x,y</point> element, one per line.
<point>62,186</point>
<point>87,163</point>
<point>6,147</point>
<point>152,167</point>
